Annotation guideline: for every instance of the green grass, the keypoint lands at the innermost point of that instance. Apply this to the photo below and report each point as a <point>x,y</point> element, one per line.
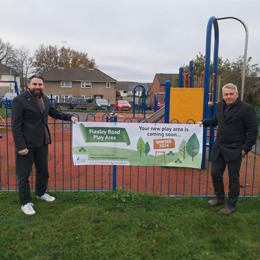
<point>127,225</point>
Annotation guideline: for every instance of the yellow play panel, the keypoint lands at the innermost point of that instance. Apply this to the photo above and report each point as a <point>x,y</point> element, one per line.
<point>185,104</point>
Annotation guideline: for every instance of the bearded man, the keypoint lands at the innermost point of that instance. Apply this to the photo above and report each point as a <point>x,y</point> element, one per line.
<point>31,134</point>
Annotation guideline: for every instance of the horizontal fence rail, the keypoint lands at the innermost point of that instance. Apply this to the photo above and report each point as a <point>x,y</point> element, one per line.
<point>165,181</point>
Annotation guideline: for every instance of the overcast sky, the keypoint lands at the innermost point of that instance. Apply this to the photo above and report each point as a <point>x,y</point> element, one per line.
<point>132,40</point>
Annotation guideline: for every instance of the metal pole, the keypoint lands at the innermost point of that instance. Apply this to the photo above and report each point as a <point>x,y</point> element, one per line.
<point>155,102</point>
<point>114,167</point>
<point>181,70</point>
<point>10,88</point>
<point>245,52</point>
<point>143,98</point>
<point>134,104</point>
<point>191,74</point>
<point>207,79</point>
<point>167,101</point>
<point>219,87</point>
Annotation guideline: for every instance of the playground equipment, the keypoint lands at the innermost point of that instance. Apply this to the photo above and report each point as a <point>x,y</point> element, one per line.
<point>143,99</point>
<point>155,102</point>
<point>186,102</point>
<point>155,117</point>
<point>15,85</point>
<point>111,117</point>
<point>158,113</point>
<point>208,113</point>
<point>209,98</point>
<point>17,92</point>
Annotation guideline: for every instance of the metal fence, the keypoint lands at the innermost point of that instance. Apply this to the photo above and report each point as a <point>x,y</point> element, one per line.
<point>166,181</point>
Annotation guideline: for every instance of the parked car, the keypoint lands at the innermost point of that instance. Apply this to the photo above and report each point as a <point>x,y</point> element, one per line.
<point>149,105</point>
<point>122,105</point>
<point>102,104</point>
<point>159,105</point>
<point>74,101</point>
<point>7,99</point>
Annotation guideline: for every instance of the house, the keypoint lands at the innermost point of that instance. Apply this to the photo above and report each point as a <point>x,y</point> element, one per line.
<point>159,84</point>
<point>126,89</point>
<point>8,74</point>
<point>123,88</point>
<point>63,83</point>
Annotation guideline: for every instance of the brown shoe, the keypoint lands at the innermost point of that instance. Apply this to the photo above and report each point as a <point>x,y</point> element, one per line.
<point>215,202</point>
<point>226,211</point>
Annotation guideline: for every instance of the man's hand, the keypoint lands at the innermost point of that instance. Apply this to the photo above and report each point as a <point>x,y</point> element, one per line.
<point>244,153</point>
<point>23,152</point>
<point>74,119</point>
<point>200,123</point>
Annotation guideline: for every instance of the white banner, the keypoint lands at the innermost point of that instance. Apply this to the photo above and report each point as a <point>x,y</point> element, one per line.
<point>172,145</point>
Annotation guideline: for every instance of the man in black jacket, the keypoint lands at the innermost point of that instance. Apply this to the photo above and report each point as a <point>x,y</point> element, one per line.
<point>31,133</point>
<point>236,134</point>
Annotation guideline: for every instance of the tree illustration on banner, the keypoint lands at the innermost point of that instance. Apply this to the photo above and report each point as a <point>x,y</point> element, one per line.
<point>147,148</point>
<point>140,146</point>
<point>182,149</point>
<point>193,146</point>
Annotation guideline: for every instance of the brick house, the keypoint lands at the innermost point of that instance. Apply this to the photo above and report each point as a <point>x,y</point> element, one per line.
<point>8,74</point>
<point>159,84</point>
<point>63,83</point>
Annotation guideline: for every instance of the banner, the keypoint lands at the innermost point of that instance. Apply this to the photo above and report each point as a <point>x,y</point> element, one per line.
<point>171,145</point>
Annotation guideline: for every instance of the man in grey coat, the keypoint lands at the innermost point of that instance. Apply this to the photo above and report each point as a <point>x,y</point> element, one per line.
<point>236,134</point>
<point>31,133</point>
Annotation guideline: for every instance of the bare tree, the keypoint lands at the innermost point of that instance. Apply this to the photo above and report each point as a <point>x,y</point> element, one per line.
<point>7,54</point>
<point>24,62</point>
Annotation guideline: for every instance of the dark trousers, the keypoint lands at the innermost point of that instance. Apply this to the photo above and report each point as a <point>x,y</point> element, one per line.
<point>38,156</point>
<point>217,169</point>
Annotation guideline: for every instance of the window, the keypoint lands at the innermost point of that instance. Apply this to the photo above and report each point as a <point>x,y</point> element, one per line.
<point>86,97</point>
<point>53,96</point>
<point>86,84</point>
<point>108,84</point>
<point>65,98</point>
<point>56,97</point>
<point>66,84</point>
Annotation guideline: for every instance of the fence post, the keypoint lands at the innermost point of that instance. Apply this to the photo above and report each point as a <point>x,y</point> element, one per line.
<point>114,166</point>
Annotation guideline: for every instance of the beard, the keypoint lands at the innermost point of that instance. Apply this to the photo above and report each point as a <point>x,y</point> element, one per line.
<point>36,92</point>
